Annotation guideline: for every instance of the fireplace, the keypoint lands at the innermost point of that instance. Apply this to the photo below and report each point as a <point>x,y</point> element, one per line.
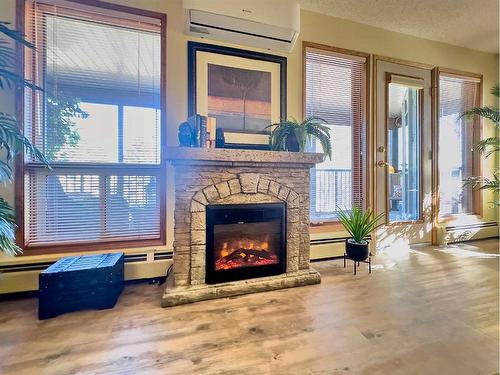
<point>245,241</point>
<point>239,215</point>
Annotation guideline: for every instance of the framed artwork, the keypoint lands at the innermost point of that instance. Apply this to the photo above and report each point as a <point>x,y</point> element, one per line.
<point>244,91</point>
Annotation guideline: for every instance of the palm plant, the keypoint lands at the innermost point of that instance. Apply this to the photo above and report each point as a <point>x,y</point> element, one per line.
<point>359,224</point>
<point>12,140</point>
<point>487,147</point>
<point>290,135</point>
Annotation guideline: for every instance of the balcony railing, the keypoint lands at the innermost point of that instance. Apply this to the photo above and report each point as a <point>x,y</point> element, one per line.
<point>330,189</point>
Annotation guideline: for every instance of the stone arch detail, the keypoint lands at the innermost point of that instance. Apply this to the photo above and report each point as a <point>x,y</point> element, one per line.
<point>243,184</point>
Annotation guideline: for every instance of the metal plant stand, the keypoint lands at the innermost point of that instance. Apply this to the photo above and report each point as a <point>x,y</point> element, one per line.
<point>356,263</point>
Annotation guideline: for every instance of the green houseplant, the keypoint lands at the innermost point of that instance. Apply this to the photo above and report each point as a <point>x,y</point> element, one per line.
<point>291,135</point>
<point>359,224</point>
<point>12,140</point>
<point>487,147</point>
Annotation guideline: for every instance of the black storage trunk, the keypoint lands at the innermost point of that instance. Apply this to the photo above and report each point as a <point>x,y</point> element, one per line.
<point>81,282</point>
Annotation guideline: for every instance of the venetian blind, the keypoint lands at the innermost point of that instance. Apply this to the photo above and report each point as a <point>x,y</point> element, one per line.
<point>335,87</point>
<point>457,94</point>
<point>98,120</point>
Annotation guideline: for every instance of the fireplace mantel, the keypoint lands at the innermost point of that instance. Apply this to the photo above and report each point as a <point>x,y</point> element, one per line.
<point>235,157</point>
<point>205,177</point>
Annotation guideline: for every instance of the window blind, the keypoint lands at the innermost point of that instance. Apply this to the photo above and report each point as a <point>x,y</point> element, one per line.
<point>457,94</point>
<point>335,87</point>
<point>73,207</point>
<point>98,120</point>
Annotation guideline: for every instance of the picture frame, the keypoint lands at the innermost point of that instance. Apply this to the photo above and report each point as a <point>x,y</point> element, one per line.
<point>244,90</point>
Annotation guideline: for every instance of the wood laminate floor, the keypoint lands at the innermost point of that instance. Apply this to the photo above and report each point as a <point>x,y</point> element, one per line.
<point>424,310</point>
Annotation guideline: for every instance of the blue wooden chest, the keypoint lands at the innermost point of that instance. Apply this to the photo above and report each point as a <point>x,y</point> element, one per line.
<point>80,282</point>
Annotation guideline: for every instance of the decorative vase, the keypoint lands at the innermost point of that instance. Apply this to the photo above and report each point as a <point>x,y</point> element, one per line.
<point>356,251</point>
<point>292,144</point>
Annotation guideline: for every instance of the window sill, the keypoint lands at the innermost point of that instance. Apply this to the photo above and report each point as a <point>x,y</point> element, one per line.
<point>93,248</point>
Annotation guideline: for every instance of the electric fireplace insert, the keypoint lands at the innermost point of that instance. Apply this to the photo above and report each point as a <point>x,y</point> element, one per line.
<point>245,241</point>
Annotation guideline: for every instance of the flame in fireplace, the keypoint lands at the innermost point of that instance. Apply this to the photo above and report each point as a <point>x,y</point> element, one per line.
<point>245,252</point>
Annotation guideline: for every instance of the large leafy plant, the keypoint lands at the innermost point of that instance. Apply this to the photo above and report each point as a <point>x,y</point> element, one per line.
<point>487,147</point>
<point>12,140</point>
<point>288,134</point>
<point>359,223</point>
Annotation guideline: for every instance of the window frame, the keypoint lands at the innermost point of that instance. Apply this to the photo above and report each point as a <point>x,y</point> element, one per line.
<point>477,134</point>
<point>366,131</point>
<point>159,170</point>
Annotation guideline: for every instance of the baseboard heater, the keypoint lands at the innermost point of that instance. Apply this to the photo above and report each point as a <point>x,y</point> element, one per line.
<point>486,224</point>
<point>471,231</point>
<point>24,277</point>
<point>40,266</point>
<point>336,240</point>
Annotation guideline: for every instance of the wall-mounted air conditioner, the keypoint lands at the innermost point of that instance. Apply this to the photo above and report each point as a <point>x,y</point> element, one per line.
<point>269,24</point>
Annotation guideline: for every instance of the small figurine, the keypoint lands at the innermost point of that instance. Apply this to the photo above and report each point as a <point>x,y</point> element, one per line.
<point>185,134</point>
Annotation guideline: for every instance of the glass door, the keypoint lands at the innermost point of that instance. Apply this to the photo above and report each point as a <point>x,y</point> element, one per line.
<point>403,127</point>
<point>403,159</point>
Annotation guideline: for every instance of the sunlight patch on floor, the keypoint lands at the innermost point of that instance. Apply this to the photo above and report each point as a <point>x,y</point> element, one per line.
<point>401,250</point>
<point>459,251</point>
<point>388,265</point>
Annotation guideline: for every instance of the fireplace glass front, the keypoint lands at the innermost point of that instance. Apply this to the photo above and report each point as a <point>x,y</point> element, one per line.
<point>245,241</point>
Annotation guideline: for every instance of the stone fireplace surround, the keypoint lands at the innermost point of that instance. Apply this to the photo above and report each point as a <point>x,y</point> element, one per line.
<point>224,176</point>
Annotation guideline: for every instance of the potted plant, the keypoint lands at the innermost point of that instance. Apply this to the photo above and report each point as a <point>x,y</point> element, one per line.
<point>359,224</point>
<point>12,140</point>
<point>290,135</point>
<point>488,147</point>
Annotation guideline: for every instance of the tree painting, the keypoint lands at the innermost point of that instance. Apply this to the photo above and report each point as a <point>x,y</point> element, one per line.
<point>244,80</point>
<point>240,99</point>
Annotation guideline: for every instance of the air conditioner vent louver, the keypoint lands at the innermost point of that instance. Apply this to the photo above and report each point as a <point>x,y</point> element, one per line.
<point>199,30</point>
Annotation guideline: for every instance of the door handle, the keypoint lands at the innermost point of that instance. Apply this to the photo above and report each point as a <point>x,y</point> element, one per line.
<point>382,163</point>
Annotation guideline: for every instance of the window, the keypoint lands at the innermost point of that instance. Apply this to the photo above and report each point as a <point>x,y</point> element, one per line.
<point>457,136</point>
<point>335,85</point>
<point>99,121</point>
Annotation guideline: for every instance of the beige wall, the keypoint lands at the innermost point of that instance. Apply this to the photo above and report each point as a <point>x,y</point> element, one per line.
<point>315,28</point>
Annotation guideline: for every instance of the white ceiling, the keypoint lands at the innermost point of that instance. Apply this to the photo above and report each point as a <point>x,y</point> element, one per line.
<point>467,23</point>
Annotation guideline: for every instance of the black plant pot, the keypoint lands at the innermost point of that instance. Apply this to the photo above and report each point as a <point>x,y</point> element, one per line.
<point>356,251</point>
<point>292,144</point>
